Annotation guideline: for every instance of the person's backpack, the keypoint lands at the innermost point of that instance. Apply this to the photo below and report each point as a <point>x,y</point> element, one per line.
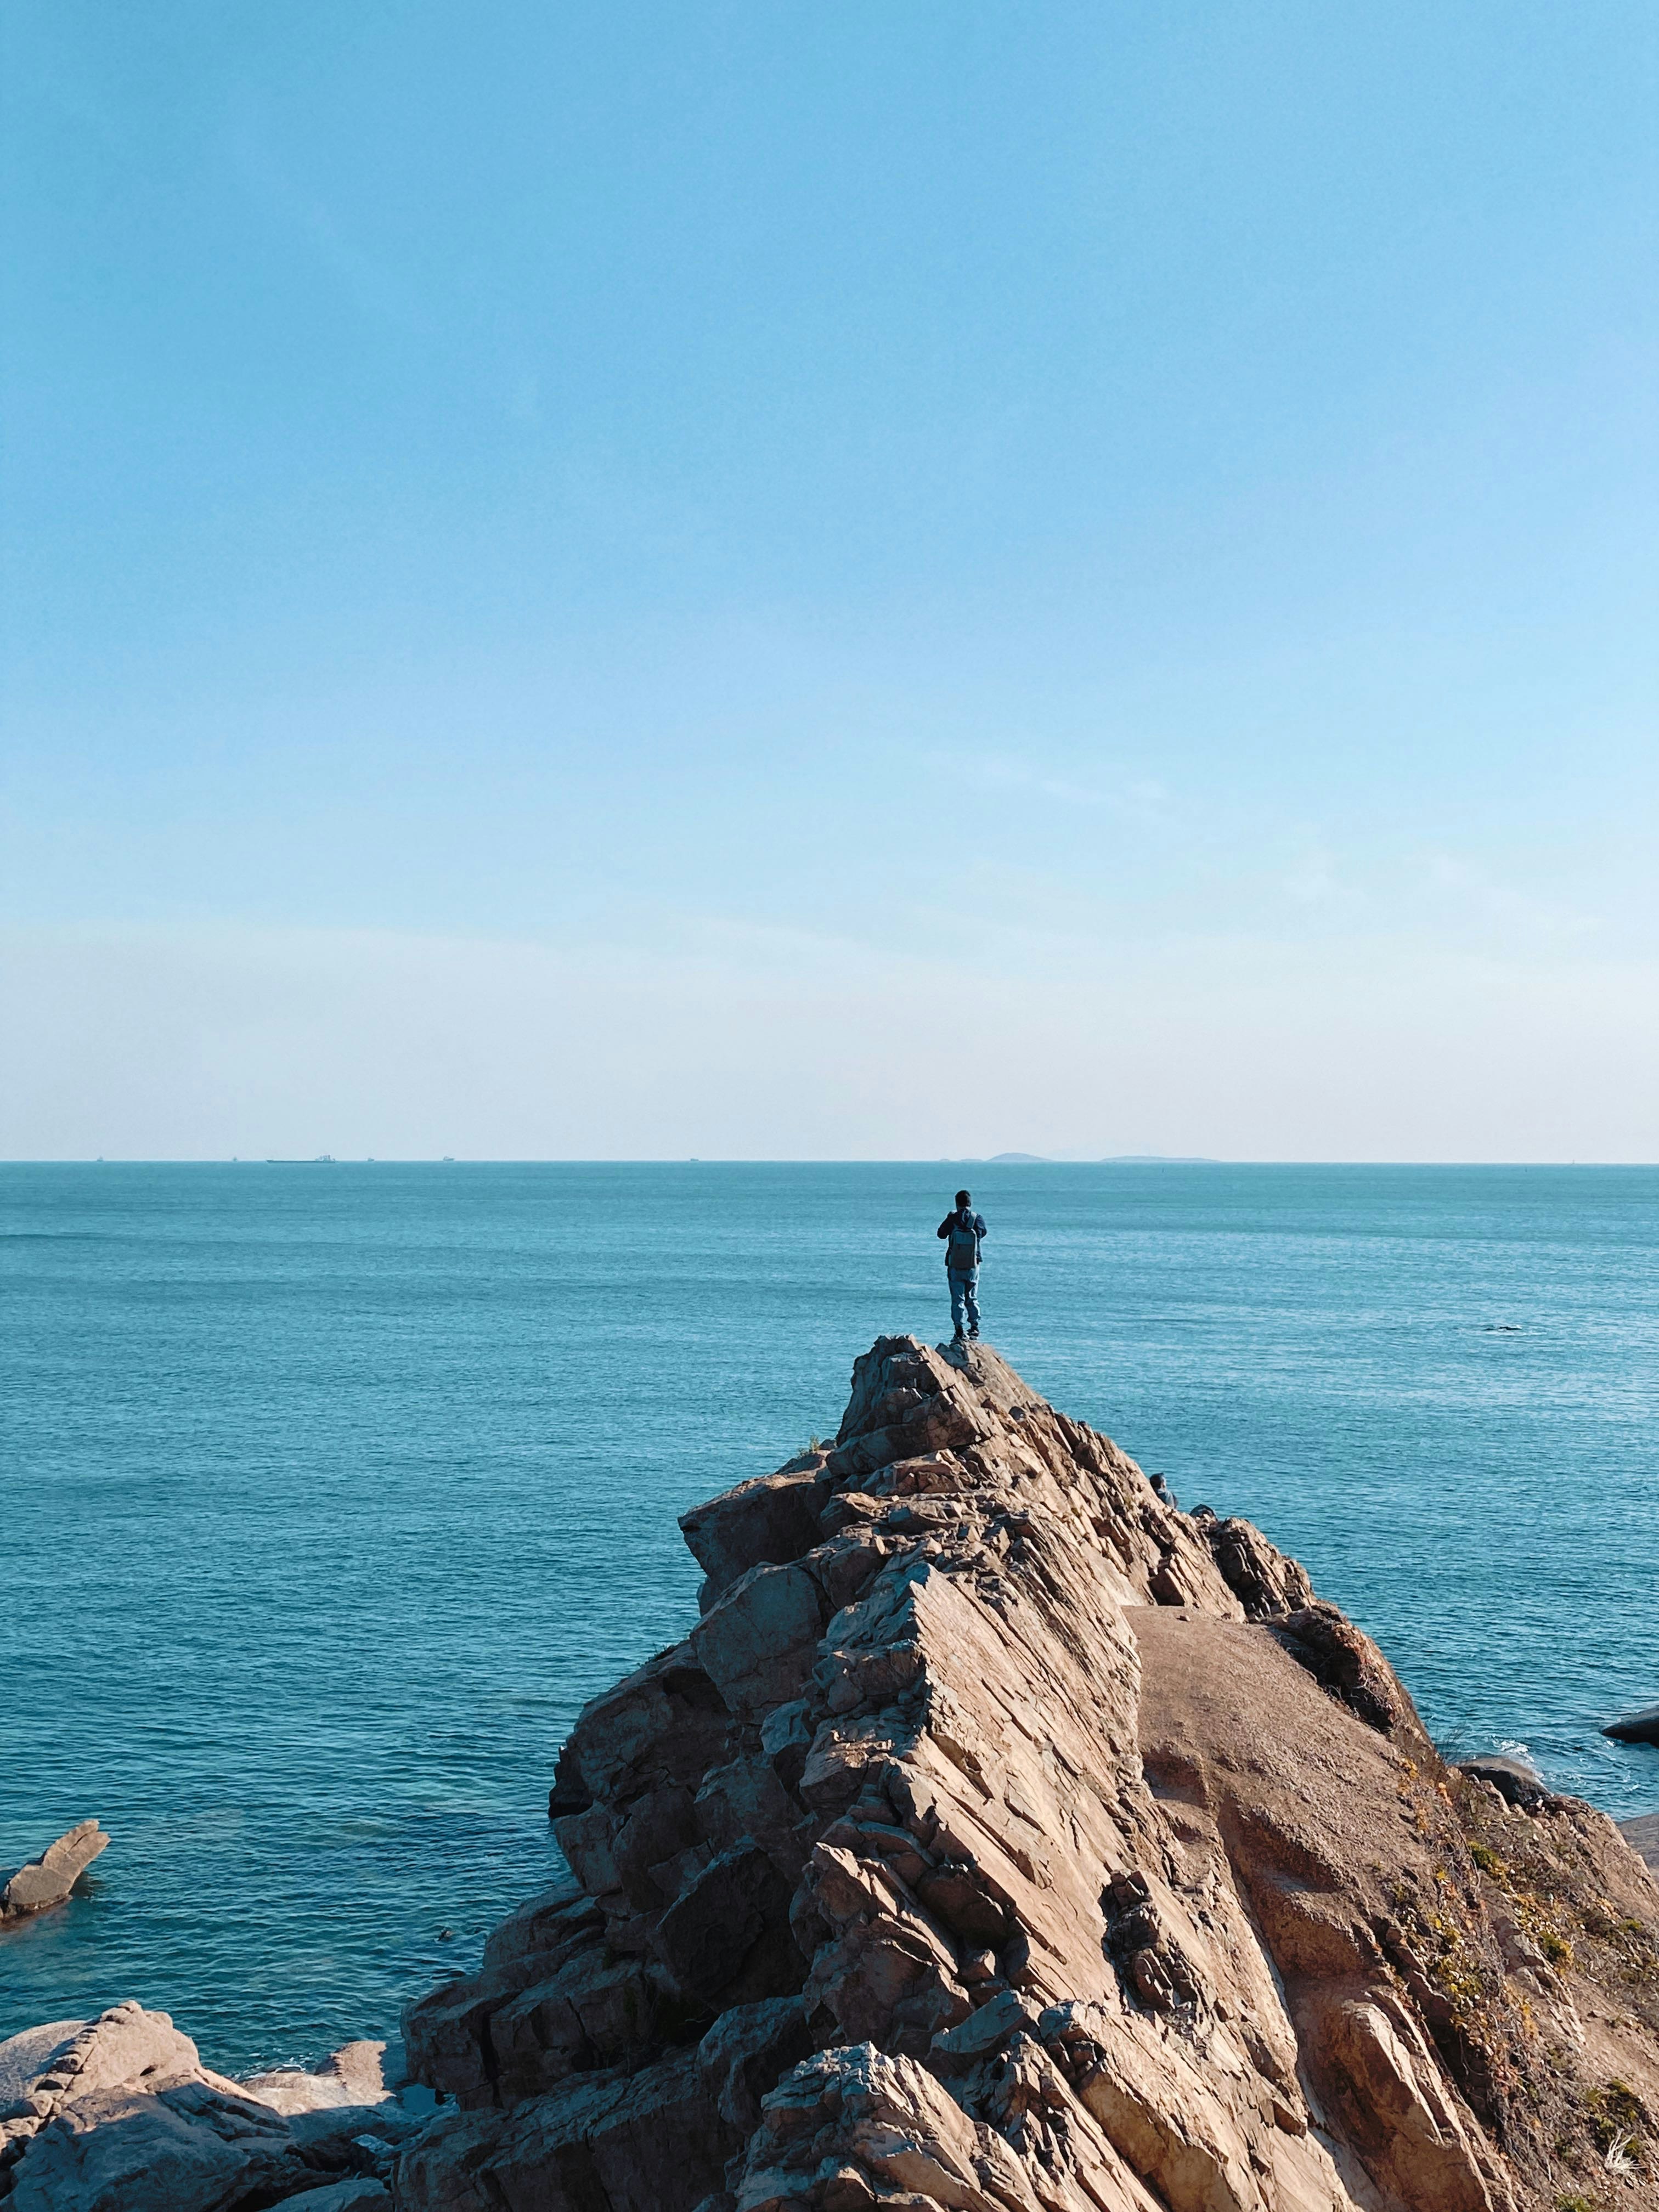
<point>962,1252</point>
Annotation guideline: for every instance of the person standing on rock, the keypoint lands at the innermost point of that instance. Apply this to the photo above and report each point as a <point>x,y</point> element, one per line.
<point>964,1232</point>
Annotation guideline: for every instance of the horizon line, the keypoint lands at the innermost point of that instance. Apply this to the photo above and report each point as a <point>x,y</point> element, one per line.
<point>792,1159</point>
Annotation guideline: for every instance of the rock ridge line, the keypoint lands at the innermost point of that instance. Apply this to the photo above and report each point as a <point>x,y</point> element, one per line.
<point>1001,1839</point>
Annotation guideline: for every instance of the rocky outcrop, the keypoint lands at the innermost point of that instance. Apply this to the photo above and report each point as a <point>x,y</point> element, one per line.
<point>1000,1837</point>
<point>1635,1728</point>
<point>118,2114</point>
<point>351,2075</point>
<point>47,1880</point>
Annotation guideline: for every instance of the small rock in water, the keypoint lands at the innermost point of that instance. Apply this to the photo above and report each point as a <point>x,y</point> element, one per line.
<point>445,1935</point>
<point>1635,1728</point>
<point>47,1880</point>
<point>1515,1783</point>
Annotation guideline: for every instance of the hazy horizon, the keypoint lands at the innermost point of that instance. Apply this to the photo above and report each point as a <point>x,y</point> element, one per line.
<point>737,1160</point>
<point>710,582</point>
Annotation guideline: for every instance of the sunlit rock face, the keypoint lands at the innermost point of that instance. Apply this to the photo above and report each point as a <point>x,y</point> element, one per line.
<point>1001,1838</point>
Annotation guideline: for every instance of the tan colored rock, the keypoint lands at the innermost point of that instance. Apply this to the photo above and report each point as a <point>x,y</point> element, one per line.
<point>180,2147</point>
<point>1003,1839</point>
<point>47,1880</point>
<point>771,1520</point>
<point>351,2075</point>
<point>46,2069</point>
<point>849,2122</point>
<point>120,2116</point>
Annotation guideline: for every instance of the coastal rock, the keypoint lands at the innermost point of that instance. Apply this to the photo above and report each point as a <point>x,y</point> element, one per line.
<point>361,2194</point>
<point>767,1521</point>
<point>24,2059</point>
<point>47,1880</point>
<point>1515,1783</point>
<point>181,2147</point>
<point>1003,1837</point>
<point>47,2068</point>
<point>351,2075</point>
<point>1636,1728</point>
<point>118,2114</point>
<point>648,2142</point>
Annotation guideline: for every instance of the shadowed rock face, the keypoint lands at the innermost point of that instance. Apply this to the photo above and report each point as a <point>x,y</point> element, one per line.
<point>1002,1838</point>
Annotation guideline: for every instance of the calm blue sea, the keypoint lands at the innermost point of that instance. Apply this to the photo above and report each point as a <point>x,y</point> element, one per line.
<point>328,1494</point>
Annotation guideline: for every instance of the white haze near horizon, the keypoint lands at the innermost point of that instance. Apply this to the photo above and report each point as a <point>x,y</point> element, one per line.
<point>874,584</point>
<point>169,1044</point>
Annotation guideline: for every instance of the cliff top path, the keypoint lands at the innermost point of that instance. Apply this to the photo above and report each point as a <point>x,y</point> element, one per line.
<point>1003,1839</point>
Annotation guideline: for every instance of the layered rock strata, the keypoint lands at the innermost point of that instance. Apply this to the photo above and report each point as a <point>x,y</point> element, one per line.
<point>1001,1839</point>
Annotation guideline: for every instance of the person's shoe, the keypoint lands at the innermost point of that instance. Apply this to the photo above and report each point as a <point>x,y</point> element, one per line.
<point>958,1338</point>
<point>974,1333</point>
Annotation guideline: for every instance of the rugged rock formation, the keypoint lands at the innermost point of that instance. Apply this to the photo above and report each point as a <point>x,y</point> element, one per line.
<point>1003,1839</point>
<point>354,2074</point>
<point>47,1880</point>
<point>1635,1728</point>
<point>118,2114</point>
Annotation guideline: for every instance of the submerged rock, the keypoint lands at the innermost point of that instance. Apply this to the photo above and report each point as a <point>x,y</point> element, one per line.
<point>1636,1728</point>
<point>47,1880</point>
<point>1001,1839</point>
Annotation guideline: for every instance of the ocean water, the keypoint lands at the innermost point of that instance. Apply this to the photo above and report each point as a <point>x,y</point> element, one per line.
<point>328,1494</point>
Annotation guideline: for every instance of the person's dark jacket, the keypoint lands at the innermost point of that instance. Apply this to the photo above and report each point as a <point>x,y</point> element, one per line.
<point>964,1217</point>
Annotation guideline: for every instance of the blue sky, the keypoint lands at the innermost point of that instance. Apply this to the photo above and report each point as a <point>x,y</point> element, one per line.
<point>884,580</point>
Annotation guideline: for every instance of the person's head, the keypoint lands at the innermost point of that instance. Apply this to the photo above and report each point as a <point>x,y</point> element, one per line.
<point>964,1198</point>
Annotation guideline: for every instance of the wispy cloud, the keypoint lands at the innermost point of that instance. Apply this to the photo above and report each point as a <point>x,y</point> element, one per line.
<point>1138,799</point>
<point>1478,895</point>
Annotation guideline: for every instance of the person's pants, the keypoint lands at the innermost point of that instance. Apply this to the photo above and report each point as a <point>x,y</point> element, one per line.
<point>964,1282</point>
